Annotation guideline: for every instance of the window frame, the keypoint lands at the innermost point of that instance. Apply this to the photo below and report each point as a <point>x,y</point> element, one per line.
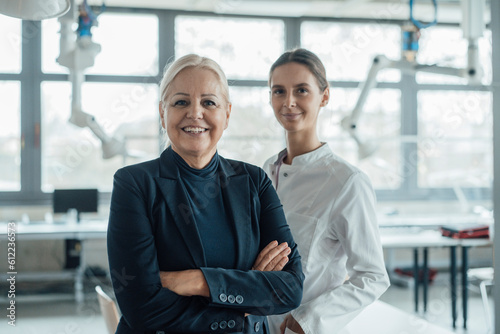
<point>31,78</point>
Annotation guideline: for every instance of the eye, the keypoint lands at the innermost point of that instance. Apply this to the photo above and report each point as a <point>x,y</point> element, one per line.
<point>302,91</point>
<point>278,91</point>
<point>180,103</point>
<point>209,103</point>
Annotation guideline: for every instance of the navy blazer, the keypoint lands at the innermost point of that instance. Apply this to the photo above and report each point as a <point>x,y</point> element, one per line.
<point>152,228</point>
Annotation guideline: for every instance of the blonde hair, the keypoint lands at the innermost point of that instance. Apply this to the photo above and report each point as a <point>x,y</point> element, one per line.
<point>192,60</point>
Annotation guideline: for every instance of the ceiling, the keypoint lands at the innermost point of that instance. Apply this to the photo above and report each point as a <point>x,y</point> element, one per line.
<point>449,11</point>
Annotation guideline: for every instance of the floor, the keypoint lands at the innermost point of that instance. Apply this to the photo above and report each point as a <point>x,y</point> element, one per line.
<point>50,309</point>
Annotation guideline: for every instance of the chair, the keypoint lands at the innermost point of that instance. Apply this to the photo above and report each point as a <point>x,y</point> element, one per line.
<point>108,309</point>
<point>485,277</point>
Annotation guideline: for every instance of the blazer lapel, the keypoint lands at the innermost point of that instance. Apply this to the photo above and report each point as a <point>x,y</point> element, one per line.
<point>177,202</point>
<point>235,192</point>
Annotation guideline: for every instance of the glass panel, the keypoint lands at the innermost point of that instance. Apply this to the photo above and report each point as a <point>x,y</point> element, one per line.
<point>347,49</point>
<point>455,163</point>
<point>379,124</point>
<point>383,167</point>
<point>445,46</point>
<point>253,134</point>
<point>129,45</point>
<point>381,116</point>
<point>244,48</point>
<point>455,139</point>
<point>50,46</point>
<point>72,156</point>
<point>10,44</point>
<point>10,136</point>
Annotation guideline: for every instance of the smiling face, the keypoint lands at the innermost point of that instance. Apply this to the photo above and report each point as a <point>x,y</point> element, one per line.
<point>195,113</point>
<point>296,97</point>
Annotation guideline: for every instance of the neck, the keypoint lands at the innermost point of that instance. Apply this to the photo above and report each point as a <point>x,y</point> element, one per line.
<point>196,161</point>
<point>298,143</point>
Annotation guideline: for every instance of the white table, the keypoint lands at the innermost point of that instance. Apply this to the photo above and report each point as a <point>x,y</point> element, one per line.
<point>425,239</point>
<point>382,318</point>
<point>84,230</point>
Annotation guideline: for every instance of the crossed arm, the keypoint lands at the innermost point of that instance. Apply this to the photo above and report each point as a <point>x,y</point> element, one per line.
<point>191,282</point>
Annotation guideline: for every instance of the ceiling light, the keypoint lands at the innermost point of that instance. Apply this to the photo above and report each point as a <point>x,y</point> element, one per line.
<point>34,10</point>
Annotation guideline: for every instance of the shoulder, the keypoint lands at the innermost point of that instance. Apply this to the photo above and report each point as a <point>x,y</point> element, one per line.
<point>149,168</point>
<point>342,171</point>
<point>236,167</point>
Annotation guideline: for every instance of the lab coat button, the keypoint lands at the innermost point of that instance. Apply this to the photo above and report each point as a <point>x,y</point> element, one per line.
<point>239,299</point>
<point>285,174</point>
<point>231,323</point>
<point>222,325</point>
<point>231,299</point>
<point>214,326</point>
<point>223,297</point>
<point>256,327</point>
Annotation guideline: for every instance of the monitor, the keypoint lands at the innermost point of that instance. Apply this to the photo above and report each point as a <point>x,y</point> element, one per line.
<point>83,200</point>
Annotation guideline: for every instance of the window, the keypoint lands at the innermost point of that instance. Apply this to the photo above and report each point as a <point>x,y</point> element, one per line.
<point>128,43</point>
<point>244,48</point>
<point>432,133</point>
<point>10,137</point>
<point>10,44</point>
<point>347,49</point>
<point>445,46</point>
<point>455,139</point>
<point>72,157</point>
<point>380,125</point>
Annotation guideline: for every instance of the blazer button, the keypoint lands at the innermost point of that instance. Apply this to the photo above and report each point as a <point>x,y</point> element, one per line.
<point>231,299</point>
<point>214,325</point>
<point>222,325</point>
<point>239,299</point>
<point>223,297</point>
<point>160,332</point>
<point>231,323</point>
<point>256,327</point>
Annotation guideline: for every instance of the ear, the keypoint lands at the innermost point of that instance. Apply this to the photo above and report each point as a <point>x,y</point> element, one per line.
<point>326,97</point>
<point>228,113</point>
<point>162,115</point>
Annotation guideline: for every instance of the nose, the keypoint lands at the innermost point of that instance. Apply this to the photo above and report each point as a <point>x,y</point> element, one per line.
<point>290,101</point>
<point>195,112</point>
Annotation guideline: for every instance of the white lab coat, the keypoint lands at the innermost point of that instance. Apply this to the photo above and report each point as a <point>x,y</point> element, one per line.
<point>330,207</point>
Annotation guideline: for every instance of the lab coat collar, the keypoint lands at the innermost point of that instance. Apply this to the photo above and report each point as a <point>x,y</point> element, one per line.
<point>306,158</point>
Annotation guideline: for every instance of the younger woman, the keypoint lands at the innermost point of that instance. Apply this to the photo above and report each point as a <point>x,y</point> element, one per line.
<point>329,205</point>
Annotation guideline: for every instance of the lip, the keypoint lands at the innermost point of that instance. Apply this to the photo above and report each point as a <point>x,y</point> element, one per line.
<point>291,116</point>
<point>194,133</point>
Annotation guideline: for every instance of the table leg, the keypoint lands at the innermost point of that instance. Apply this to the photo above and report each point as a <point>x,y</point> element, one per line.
<point>426,277</point>
<point>79,276</point>
<point>415,277</point>
<point>465,282</point>
<point>453,282</point>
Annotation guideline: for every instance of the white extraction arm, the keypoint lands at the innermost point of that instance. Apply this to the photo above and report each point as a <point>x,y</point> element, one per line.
<point>78,54</point>
<point>473,27</point>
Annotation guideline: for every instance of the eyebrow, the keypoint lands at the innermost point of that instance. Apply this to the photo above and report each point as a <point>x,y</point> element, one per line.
<point>304,84</point>
<point>203,95</point>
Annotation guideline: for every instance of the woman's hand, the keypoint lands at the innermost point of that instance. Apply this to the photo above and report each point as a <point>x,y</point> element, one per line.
<point>291,324</point>
<point>185,283</point>
<point>273,257</point>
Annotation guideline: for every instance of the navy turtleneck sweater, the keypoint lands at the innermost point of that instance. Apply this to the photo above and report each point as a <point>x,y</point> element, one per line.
<point>215,228</point>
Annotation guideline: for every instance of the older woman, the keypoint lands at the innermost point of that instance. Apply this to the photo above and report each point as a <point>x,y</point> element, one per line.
<point>198,243</point>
